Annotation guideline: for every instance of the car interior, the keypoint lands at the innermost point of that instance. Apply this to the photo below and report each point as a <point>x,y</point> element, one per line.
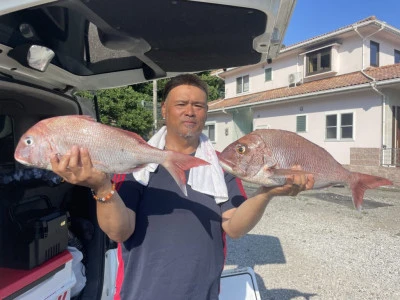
<point>29,194</point>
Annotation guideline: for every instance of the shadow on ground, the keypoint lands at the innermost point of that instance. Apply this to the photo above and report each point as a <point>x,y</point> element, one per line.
<point>346,200</point>
<point>252,250</point>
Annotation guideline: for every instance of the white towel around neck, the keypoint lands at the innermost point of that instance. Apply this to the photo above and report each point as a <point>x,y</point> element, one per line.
<point>205,179</point>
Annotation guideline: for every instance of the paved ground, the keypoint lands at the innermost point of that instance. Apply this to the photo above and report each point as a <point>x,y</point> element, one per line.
<point>317,246</point>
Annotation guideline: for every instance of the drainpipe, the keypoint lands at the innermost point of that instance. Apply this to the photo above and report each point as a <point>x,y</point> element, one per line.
<point>233,124</point>
<point>373,82</point>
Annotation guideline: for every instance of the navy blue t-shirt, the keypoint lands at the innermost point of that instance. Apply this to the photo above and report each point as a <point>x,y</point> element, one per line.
<point>176,250</point>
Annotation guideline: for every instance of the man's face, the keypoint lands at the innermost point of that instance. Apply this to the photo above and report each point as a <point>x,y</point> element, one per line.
<point>185,111</point>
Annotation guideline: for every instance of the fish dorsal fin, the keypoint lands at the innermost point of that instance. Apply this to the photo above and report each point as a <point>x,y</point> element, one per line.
<point>135,136</point>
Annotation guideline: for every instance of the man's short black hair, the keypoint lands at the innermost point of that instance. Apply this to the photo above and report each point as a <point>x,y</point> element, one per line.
<point>185,79</point>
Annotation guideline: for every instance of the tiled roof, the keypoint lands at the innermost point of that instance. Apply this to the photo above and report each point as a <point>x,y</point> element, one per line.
<point>370,18</point>
<point>332,83</point>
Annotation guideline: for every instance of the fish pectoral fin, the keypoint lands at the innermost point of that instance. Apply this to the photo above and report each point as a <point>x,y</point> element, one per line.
<point>286,172</point>
<point>98,164</point>
<point>139,167</point>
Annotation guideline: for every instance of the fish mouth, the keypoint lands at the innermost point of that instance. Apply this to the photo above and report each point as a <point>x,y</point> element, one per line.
<point>21,161</point>
<point>229,167</point>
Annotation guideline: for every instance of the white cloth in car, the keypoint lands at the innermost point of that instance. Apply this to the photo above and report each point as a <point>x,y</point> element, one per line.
<point>205,179</point>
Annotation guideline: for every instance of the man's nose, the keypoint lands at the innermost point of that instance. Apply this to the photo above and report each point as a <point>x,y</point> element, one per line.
<point>189,110</point>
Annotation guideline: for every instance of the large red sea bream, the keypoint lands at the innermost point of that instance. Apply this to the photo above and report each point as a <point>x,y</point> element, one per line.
<point>112,150</point>
<point>266,157</point>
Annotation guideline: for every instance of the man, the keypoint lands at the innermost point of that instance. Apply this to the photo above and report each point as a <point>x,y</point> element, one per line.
<point>172,244</point>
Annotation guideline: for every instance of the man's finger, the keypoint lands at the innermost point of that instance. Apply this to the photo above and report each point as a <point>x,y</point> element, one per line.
<point>74,158</point>
<point>54,161</point>
<point>310,182</point>
<point>85,159</point>
<point>64,162</point>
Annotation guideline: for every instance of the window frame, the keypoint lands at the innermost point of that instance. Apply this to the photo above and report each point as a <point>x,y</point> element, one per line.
<point>373,55</point>
<point>318,54</point>
<point>339,126</point>
<point>305,123</point>
<point>396,56</point>
<point>242,84</point>
<point>265,74</point>
<point>208,131</point>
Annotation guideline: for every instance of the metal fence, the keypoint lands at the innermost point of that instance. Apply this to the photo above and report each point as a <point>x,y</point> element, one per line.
<point>390,157</point>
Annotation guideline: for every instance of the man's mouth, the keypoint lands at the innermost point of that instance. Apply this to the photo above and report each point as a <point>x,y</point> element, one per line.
<point>189,123</point>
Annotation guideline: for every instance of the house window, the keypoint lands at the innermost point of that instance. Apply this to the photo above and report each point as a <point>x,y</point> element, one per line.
<point>339,126</point>
<point>346,126</point>
<point>268,74</point>
<point>209,130</point>
<point>301,123</point>
<point>242,84</point>
<point>319,61</point>
<point>396,56</point>
<point>374,54</point>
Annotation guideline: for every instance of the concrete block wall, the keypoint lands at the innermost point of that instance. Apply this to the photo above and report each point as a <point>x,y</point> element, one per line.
<point>367,160</point>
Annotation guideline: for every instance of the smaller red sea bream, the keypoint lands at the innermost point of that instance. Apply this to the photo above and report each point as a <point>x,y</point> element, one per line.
<point>266,157</point>
<point>112,150</point>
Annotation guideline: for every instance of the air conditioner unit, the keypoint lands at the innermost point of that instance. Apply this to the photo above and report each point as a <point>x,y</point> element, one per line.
<point>294,78</point>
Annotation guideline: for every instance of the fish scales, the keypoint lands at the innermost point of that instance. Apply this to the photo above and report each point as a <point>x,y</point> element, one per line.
<point>92,135</point>
<point>292,149</point>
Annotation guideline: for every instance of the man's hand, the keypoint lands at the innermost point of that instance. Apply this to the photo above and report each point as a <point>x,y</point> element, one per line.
<point>76,167</point>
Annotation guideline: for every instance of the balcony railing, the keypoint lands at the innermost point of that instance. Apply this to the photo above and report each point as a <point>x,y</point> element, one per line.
<point>390,157</point>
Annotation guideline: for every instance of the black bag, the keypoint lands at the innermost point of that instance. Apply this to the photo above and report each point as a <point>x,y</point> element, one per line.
<point>36,232</point>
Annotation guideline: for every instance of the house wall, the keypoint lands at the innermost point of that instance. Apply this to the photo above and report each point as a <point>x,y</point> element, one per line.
<point>350,56</point>
<point>386,50</point>
<point>281,68</point>
<point>346,57</point>
<point>223,122</point>
<point>366,107</point>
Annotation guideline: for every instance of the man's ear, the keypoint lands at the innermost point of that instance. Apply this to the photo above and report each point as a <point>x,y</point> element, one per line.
<point>163,108</point>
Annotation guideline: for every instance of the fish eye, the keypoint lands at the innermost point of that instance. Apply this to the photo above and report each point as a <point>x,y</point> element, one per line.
<point>241,149</point>
<point>29,141</point>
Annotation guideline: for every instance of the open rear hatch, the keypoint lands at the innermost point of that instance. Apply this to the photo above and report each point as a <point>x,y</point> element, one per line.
<point>101,43</point>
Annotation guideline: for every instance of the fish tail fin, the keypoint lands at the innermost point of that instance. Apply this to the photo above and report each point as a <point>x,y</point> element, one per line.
<point>176,163</point>
<point>360,182</point>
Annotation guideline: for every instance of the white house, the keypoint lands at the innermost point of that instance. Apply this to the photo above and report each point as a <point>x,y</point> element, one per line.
<point>340,90</point>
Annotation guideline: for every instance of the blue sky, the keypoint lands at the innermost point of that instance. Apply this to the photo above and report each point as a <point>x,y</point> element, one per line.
<point>314,17</point>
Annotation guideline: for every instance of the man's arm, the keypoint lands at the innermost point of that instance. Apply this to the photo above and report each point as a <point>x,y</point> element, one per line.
<point>236,222</point>
<point>114,218</point>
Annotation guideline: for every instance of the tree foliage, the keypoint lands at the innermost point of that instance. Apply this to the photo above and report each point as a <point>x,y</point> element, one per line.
<point>216,86</point>
<point>122,107</point>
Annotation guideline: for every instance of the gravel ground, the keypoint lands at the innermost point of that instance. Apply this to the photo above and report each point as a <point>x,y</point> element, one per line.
<point>317,246</point>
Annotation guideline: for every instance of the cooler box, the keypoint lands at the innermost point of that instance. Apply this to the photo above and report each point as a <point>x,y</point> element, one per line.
<point>51,280</point>
<point>239,284</point>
